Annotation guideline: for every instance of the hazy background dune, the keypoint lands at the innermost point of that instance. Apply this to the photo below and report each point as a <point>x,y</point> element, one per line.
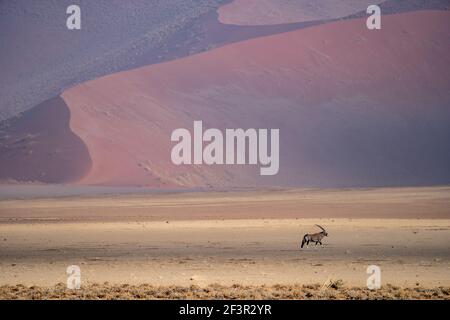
<point>263,12</point>
<point>40,57</point>
<point>272,12</point>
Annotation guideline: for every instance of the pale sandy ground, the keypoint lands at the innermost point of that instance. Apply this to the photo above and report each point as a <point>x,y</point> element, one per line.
<point>150,242</point>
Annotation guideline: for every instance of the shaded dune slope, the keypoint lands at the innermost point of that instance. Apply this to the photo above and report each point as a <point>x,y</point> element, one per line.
<point>38,145</point>
<point>354,108</point>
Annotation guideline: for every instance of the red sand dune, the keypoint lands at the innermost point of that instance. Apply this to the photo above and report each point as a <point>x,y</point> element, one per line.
<point>268,12</point>
<point>354,107</point>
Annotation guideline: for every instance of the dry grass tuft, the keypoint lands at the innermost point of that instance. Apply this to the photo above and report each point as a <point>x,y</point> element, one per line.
<point>335,290</point>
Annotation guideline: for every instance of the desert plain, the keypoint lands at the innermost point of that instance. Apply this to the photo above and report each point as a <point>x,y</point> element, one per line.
<point>227,244</point>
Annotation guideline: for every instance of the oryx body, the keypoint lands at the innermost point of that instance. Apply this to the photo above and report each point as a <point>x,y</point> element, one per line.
<point>314,237</point>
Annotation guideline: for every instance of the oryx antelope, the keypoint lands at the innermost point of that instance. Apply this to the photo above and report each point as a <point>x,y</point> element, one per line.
<point>314,237</point>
